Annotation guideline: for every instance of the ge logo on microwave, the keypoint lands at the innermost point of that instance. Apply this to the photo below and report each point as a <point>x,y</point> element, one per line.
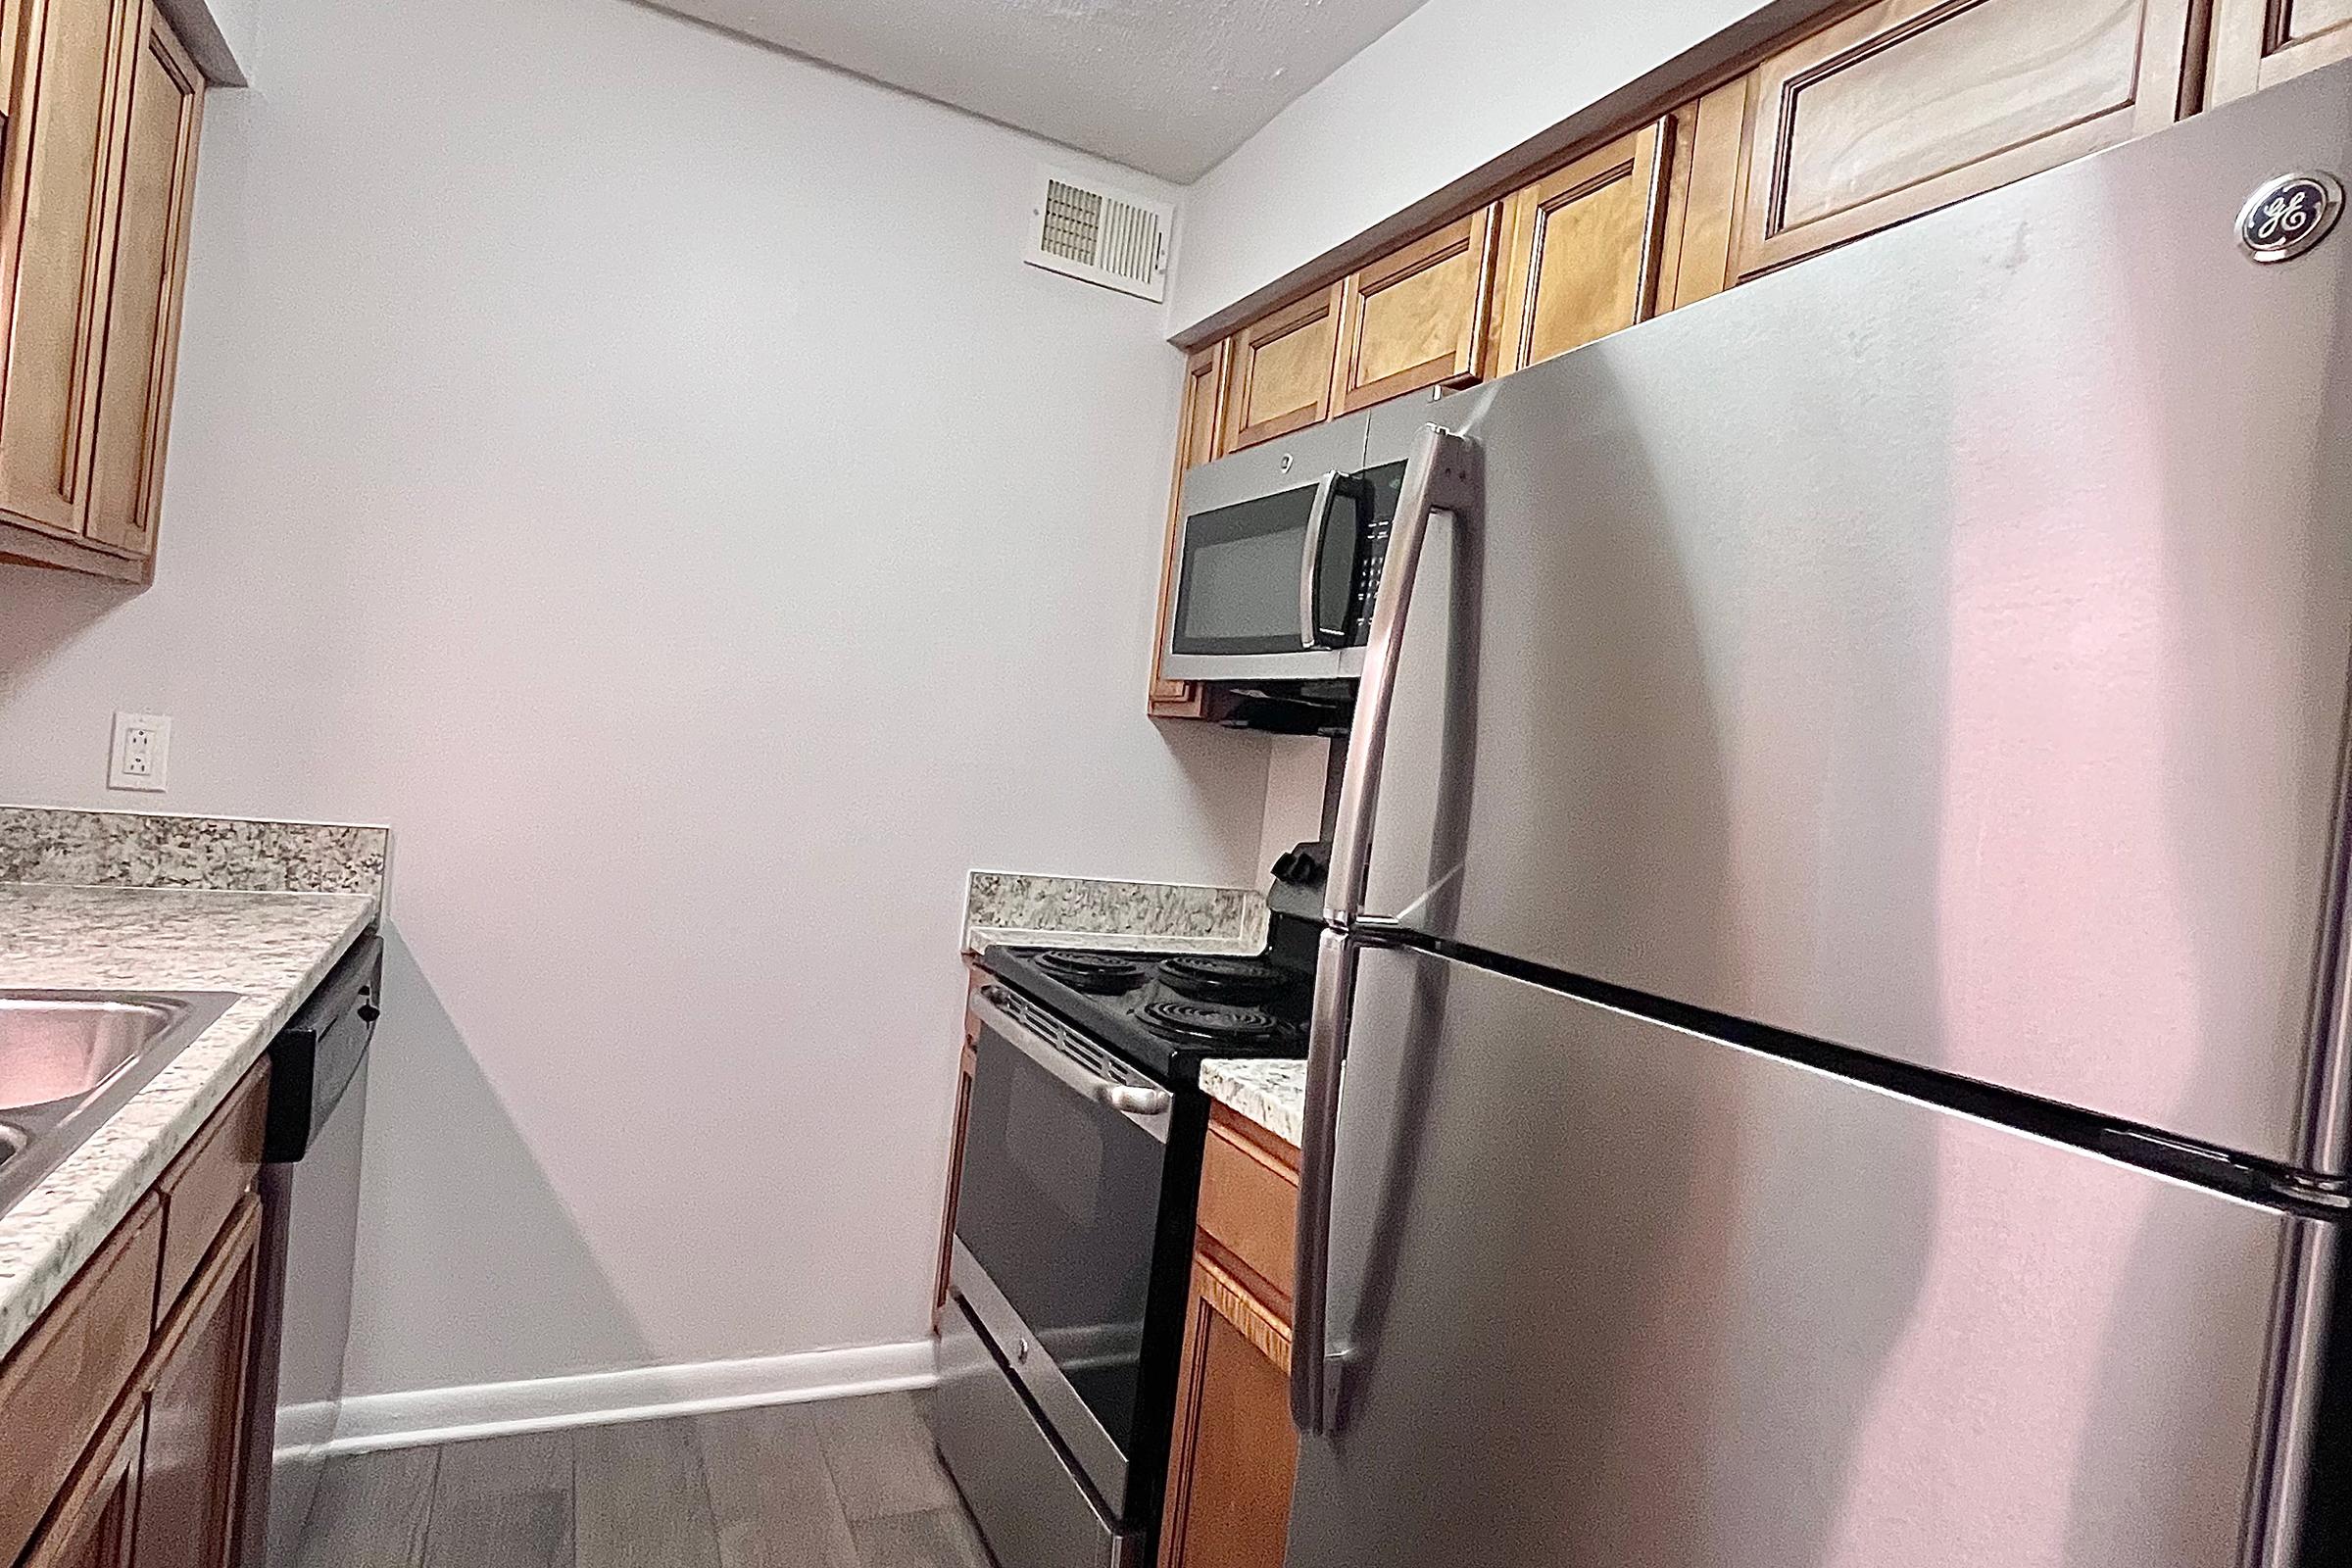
<point>2289,215</point>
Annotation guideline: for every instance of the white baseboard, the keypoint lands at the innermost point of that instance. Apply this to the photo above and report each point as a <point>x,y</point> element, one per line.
<point>591,1398</point>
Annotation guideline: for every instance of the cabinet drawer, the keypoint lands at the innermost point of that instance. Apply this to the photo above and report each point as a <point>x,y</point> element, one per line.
<point>1250,1198</point>
<point>211,1177</point>
<point>1914,104</point>
<point>60,1380</point>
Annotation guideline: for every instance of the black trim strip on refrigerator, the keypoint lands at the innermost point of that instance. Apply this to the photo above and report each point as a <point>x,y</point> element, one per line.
<point>2206,1165</point>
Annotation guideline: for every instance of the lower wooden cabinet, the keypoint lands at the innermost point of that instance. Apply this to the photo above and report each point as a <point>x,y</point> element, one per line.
<point>122,1431</point>
<point>1235,1453</point>
<point>196,1405</point>
<point>93,1522</point>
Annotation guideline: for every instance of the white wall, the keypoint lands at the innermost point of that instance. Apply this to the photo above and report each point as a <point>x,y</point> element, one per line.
<point>636,467</point>
<point>1453,86</point>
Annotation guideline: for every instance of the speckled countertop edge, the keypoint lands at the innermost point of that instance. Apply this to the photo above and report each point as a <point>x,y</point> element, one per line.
<point>1024,908</point>
<point>985,936</point>
<point>272,949</point>
<point>1271,1094</point>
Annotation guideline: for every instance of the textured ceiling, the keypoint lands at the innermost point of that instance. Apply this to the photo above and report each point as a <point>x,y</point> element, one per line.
<point>1169,87</point>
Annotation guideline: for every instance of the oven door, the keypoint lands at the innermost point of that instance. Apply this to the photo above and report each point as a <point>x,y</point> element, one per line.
<point>1265,561</point>
<point>1057,1209</point>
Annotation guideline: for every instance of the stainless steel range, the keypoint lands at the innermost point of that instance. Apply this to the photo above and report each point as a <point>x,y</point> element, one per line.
<point>1074,1225</point>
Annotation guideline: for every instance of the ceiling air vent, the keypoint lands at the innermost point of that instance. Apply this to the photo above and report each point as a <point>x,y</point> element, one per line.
<point>1086,229</point>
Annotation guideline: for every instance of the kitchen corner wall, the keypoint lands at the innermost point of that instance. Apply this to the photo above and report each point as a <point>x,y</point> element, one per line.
<point>636,465</point>
<point>1453,86</point>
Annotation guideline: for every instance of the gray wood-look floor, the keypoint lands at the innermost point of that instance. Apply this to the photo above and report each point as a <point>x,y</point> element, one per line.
<point>851,1484</point>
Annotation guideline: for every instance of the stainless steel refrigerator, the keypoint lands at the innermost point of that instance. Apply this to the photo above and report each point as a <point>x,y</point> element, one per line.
<point>1831,1039</point>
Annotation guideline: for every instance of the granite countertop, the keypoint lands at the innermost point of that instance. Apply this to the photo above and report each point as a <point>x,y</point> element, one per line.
<point>272,949</point>
<point>1271,1094</point>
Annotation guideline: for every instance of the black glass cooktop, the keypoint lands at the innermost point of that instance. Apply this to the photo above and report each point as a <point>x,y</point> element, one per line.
<point>1167,1013</point>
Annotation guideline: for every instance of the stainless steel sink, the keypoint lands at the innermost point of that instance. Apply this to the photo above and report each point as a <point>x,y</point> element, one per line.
<point>69,1060</point>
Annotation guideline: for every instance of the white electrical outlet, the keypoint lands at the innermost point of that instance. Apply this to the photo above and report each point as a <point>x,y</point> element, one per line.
<point>142,754</point>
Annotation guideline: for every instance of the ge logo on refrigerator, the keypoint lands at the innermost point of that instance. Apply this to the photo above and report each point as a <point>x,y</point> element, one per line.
<point>2289,215</point>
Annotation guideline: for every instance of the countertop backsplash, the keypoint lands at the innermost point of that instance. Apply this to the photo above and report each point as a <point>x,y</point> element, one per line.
<point>1012,906</point>
<point>61,847</point>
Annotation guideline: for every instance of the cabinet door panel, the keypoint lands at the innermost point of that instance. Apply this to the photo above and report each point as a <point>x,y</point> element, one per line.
<point>53,251</point>
<point>57,1385</point>
<point>1579,253</point>
<point>134,396</point>
<point>1282,371</point>
<point>1229,1483</point>
<point>90,1526</point>
<point>1412,318</point>
<point>1914,104</point>
<point>2259,42</point>
<point>1200,437</point>
<point>188,1479</point>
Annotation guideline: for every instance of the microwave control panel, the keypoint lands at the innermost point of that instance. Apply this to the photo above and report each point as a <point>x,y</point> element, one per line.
<point>1372,548</point>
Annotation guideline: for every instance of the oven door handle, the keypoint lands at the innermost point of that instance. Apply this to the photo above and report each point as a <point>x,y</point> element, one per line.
<point>1310,561</point>
<point>1138,1102</point>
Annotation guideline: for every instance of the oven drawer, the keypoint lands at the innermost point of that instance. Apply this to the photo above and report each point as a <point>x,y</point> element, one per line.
<point>1032,1507</point>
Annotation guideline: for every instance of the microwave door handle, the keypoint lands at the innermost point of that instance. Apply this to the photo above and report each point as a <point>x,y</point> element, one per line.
<point>1443,476</point>
<point>1318,522</point>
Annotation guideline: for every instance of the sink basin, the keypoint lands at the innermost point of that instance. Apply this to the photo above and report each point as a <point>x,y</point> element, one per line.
<point>69,1060</point>
<point>56,1046</point>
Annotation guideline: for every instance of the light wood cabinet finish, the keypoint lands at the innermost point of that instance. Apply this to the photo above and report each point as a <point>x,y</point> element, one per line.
<point>56,236</point>
<point>1200,439</point>
<point>164,117</point>
<point>1413,318</point>
<point>1579,252</point>
<point>1910,105</point>
<point>188,1477</point>
<point>59,1382</point>
<point>212,1176</point>
<point>2258,43</point>
<point>1235,1452</point>
<point>1250,1201</point>
<point>1282,371</point>
<point>1705,185</point>
<point>91,1525</point>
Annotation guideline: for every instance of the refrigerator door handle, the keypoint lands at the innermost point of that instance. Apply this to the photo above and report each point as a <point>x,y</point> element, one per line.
<point>1442,476</point>
<point>1314,1387</point>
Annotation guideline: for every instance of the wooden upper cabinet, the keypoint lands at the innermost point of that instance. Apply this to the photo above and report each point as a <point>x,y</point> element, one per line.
<point>1913,104</point>
<point>1579,253</point>
<point>1282,371</point>
<point>2259,42</point>
<point>1412,318</point>
<point>55,241</point>
<point>164,116</point>
<point>1199,437</point>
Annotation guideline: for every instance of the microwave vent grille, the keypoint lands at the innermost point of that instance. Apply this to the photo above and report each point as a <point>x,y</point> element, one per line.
<point>1083,229</point>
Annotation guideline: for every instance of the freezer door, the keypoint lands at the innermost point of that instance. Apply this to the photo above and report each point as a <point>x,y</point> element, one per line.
<point>1938,649</point>
<point>1605,1291</point>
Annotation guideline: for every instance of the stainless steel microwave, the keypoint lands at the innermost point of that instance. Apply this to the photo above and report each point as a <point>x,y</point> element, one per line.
<point>1279,556</point>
